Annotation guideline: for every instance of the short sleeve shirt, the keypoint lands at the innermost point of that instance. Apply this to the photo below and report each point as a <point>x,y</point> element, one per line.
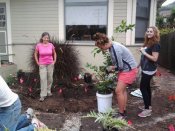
<point>45,52</point>
<point>146,64</point>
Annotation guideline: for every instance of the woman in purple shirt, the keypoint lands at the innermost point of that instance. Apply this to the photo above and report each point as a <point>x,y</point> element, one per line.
<point>45,57</point>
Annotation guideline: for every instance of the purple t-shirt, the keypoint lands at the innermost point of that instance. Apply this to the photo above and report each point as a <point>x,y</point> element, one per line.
<point>45,52</point>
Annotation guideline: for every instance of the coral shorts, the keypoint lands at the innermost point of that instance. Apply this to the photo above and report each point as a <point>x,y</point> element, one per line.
<point>128,77</point>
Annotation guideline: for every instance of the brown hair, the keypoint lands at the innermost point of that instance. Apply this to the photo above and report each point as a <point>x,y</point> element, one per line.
<point>154,40</point>
<point>100,39</point>
<point>44,34</point>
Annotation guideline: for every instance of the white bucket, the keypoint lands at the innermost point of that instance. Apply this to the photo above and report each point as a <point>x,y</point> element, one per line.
<point>104,102</point>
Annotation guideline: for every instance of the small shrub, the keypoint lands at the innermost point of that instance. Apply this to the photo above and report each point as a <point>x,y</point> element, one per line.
<point>165,31</point>
<point>107,120</point>
<point>11,80</point>
<point>123,27</point>
<point>105,83</point>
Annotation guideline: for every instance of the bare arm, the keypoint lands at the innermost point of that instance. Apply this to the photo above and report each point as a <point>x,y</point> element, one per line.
<point>54,56</point>
<point>152,57</point>
<point>138,65</point>
<point>36,57</point>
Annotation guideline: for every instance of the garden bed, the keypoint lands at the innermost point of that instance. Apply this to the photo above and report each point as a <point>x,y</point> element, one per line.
<point>81,99</point>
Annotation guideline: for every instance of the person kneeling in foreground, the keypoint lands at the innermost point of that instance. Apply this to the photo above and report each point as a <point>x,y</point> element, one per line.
<point>10,112</point>
<point>124,63</point>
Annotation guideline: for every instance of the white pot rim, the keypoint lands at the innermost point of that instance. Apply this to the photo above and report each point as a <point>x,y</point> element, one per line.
<point>104,95</point>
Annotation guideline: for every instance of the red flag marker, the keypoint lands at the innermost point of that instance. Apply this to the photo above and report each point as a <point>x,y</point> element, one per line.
<point>129,122</point>
<point>21,80</point>
<point>171,127</point>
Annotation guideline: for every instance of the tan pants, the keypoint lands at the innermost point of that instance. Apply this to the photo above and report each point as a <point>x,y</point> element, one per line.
<point>46,79</point>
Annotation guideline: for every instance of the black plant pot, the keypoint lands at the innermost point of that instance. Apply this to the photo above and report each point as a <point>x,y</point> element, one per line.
<point>112,129</point>
<point>88,78</point>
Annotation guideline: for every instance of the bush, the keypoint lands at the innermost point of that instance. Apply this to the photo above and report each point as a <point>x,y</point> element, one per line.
<point>107,120</point>
<point>66,66</point>
<point>165,31</point>
<point>11,80</point>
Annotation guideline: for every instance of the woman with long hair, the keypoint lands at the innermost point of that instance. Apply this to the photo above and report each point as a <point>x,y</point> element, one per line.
<point>149,56</point>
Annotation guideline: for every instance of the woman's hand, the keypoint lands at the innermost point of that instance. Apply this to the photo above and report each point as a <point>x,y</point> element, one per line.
<point>54,62</point>
<point>142,50</point>
<point>110,68</point>
<point>37,63</point>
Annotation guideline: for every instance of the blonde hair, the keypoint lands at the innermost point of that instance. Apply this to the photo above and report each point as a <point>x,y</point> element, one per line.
<point>154,40</point>
<point>100,39</point>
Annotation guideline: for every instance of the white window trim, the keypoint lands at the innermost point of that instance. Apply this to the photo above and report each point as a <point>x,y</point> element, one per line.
<point>110,28</point>
<point>61,23</point>
<point>9,32</point>
<point>152,17</point>
<point>131,18</point>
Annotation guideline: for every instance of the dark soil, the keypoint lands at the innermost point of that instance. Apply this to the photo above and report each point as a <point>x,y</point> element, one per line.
<point>81,98</point>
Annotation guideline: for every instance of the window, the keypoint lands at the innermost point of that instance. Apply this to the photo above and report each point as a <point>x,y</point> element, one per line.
<point>3,29</point>
<point>2,16</point>
<point>142,19</point>
<point>85,18</point>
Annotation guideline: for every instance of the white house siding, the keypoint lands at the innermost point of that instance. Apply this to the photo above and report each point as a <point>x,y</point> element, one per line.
<point>22,56</point>
<point>86,56</point>
<point>32,17</point>
<point>120,13</point>
<point>29,19</point>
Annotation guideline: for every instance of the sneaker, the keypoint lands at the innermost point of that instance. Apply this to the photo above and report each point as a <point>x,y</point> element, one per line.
<point>37,123</point>
<point>145,113</point>
<point>41,99</point>
<point>143,108</point>
<point>30,112</point>
<point>119,116</point>
<point>49,94</point>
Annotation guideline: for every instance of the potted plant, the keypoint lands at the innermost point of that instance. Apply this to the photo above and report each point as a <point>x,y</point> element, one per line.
<point>107,120</point>
<point>104,83</point>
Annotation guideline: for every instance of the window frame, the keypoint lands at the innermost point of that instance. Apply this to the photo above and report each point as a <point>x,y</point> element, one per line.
<point>98,3</point>
<point>139,40</point>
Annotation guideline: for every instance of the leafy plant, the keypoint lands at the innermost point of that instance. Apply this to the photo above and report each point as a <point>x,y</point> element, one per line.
<point>107,120</point>
<point>11,80</point>
<point>165,31</point>
<point>171,19</point>
<point>160,22</point>
<point>123,27</point>
<point>105,81</point>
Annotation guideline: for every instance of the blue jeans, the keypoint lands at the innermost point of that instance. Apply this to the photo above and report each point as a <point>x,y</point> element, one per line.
<point>10,118</point>
<point>24,124</point>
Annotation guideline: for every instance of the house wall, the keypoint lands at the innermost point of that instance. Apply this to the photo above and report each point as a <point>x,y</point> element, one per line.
<point>120,13</point>
<point>29,18</point>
